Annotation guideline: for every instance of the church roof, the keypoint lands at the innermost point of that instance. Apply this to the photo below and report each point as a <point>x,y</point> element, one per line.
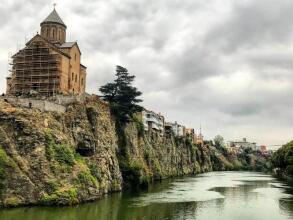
<point>67,44</point>
<point>54,18</point>
<point>49,43</point>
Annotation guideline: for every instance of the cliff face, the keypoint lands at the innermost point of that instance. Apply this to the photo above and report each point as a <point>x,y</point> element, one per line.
<point>39,163</point>
<point>145,157</point>
<point>62,159</point>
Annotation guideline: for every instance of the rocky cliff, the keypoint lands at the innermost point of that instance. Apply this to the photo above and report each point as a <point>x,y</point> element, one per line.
<point>67,158</point>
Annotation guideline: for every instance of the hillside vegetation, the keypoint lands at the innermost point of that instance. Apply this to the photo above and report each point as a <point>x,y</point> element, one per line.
<point>282,160</point>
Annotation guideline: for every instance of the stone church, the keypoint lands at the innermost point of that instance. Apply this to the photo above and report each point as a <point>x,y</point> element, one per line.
<point>48,65</point>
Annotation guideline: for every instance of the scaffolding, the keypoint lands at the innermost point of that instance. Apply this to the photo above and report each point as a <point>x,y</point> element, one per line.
<point>35,69</point>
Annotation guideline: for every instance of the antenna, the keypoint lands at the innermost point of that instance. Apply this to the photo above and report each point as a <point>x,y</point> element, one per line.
<point>200,128</point>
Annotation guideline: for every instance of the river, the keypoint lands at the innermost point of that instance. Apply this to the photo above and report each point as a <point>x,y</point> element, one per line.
<point>210,196</point>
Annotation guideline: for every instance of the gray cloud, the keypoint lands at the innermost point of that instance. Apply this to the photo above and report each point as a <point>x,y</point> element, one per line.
<point>224,64</point>
<point>254,24</point>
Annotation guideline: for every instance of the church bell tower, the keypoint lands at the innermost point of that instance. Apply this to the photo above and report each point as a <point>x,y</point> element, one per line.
<point>53,28</point>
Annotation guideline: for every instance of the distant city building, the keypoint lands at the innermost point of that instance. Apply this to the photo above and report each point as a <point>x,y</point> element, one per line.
<point>191,134</point>
<point>199,139</point>
<point>156,122</point>
<point>168,128</point>
<point>242,144</point>
<point>189,131</point>
<point>263,148</point>
<point>178,130</point>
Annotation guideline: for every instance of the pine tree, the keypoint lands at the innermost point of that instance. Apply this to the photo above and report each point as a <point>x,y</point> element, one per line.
<point>122,96</point>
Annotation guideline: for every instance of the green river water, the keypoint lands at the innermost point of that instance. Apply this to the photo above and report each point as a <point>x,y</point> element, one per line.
<point>210,196</point>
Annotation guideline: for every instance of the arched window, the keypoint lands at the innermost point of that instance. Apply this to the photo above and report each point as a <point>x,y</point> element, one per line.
<point>82,81</point>
<point>72,76</point>
<point>53,33</point>
<point>75,78</point>
<point>75,57</point>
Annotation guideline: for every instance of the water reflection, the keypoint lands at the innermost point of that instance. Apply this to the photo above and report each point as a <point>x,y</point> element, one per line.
<point>223,195</point>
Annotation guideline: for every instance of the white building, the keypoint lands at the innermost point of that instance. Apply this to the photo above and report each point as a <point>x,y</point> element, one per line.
<point>178,130</point>
<point>153,121</point>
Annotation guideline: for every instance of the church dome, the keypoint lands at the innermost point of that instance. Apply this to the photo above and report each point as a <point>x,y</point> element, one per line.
<point>54,29</point>
<point>53,18</point>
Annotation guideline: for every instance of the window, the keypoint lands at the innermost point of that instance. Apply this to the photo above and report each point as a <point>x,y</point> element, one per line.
<point>75,57</point>
<point>53,33</point>
<point>72,76</point>
<point>75,78</point>
<point>82,81</point>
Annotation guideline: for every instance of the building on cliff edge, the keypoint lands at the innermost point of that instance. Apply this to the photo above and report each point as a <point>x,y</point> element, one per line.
<point>48,65</point>
<point>153,121</point>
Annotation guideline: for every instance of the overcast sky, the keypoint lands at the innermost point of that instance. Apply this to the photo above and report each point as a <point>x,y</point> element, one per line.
<point>223,63</point>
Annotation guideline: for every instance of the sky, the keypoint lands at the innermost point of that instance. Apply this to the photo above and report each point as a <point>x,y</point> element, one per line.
<point>224,64</point>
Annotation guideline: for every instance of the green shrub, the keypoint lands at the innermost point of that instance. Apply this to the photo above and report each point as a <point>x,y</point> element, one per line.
<point>122,139</point>
<point>289,169</point>
<point>12,201</point>
<point>50,145</point>
<point>139,126</point>
<point>79,159</point>
<point>59,152</point>
<point>157,169</point>
<point>283,158</point>
<point>144,181</point>
<point>132,172</point>
<point>85,179</point>
<point>64,154</point>
<point>67,197</point>
<point>95,171</point>
<point>5,162</point>
<point>52,186</point>
<point>188,142</point>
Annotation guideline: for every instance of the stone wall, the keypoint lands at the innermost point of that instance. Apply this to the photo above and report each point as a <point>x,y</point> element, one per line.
<point>43,105</point>
<point>68,99</point>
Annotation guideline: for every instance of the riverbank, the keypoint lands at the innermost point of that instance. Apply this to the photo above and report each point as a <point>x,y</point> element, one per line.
<point>55,158</point>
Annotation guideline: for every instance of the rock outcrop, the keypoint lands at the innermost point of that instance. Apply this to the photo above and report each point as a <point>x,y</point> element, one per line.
<point>67,158</point>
